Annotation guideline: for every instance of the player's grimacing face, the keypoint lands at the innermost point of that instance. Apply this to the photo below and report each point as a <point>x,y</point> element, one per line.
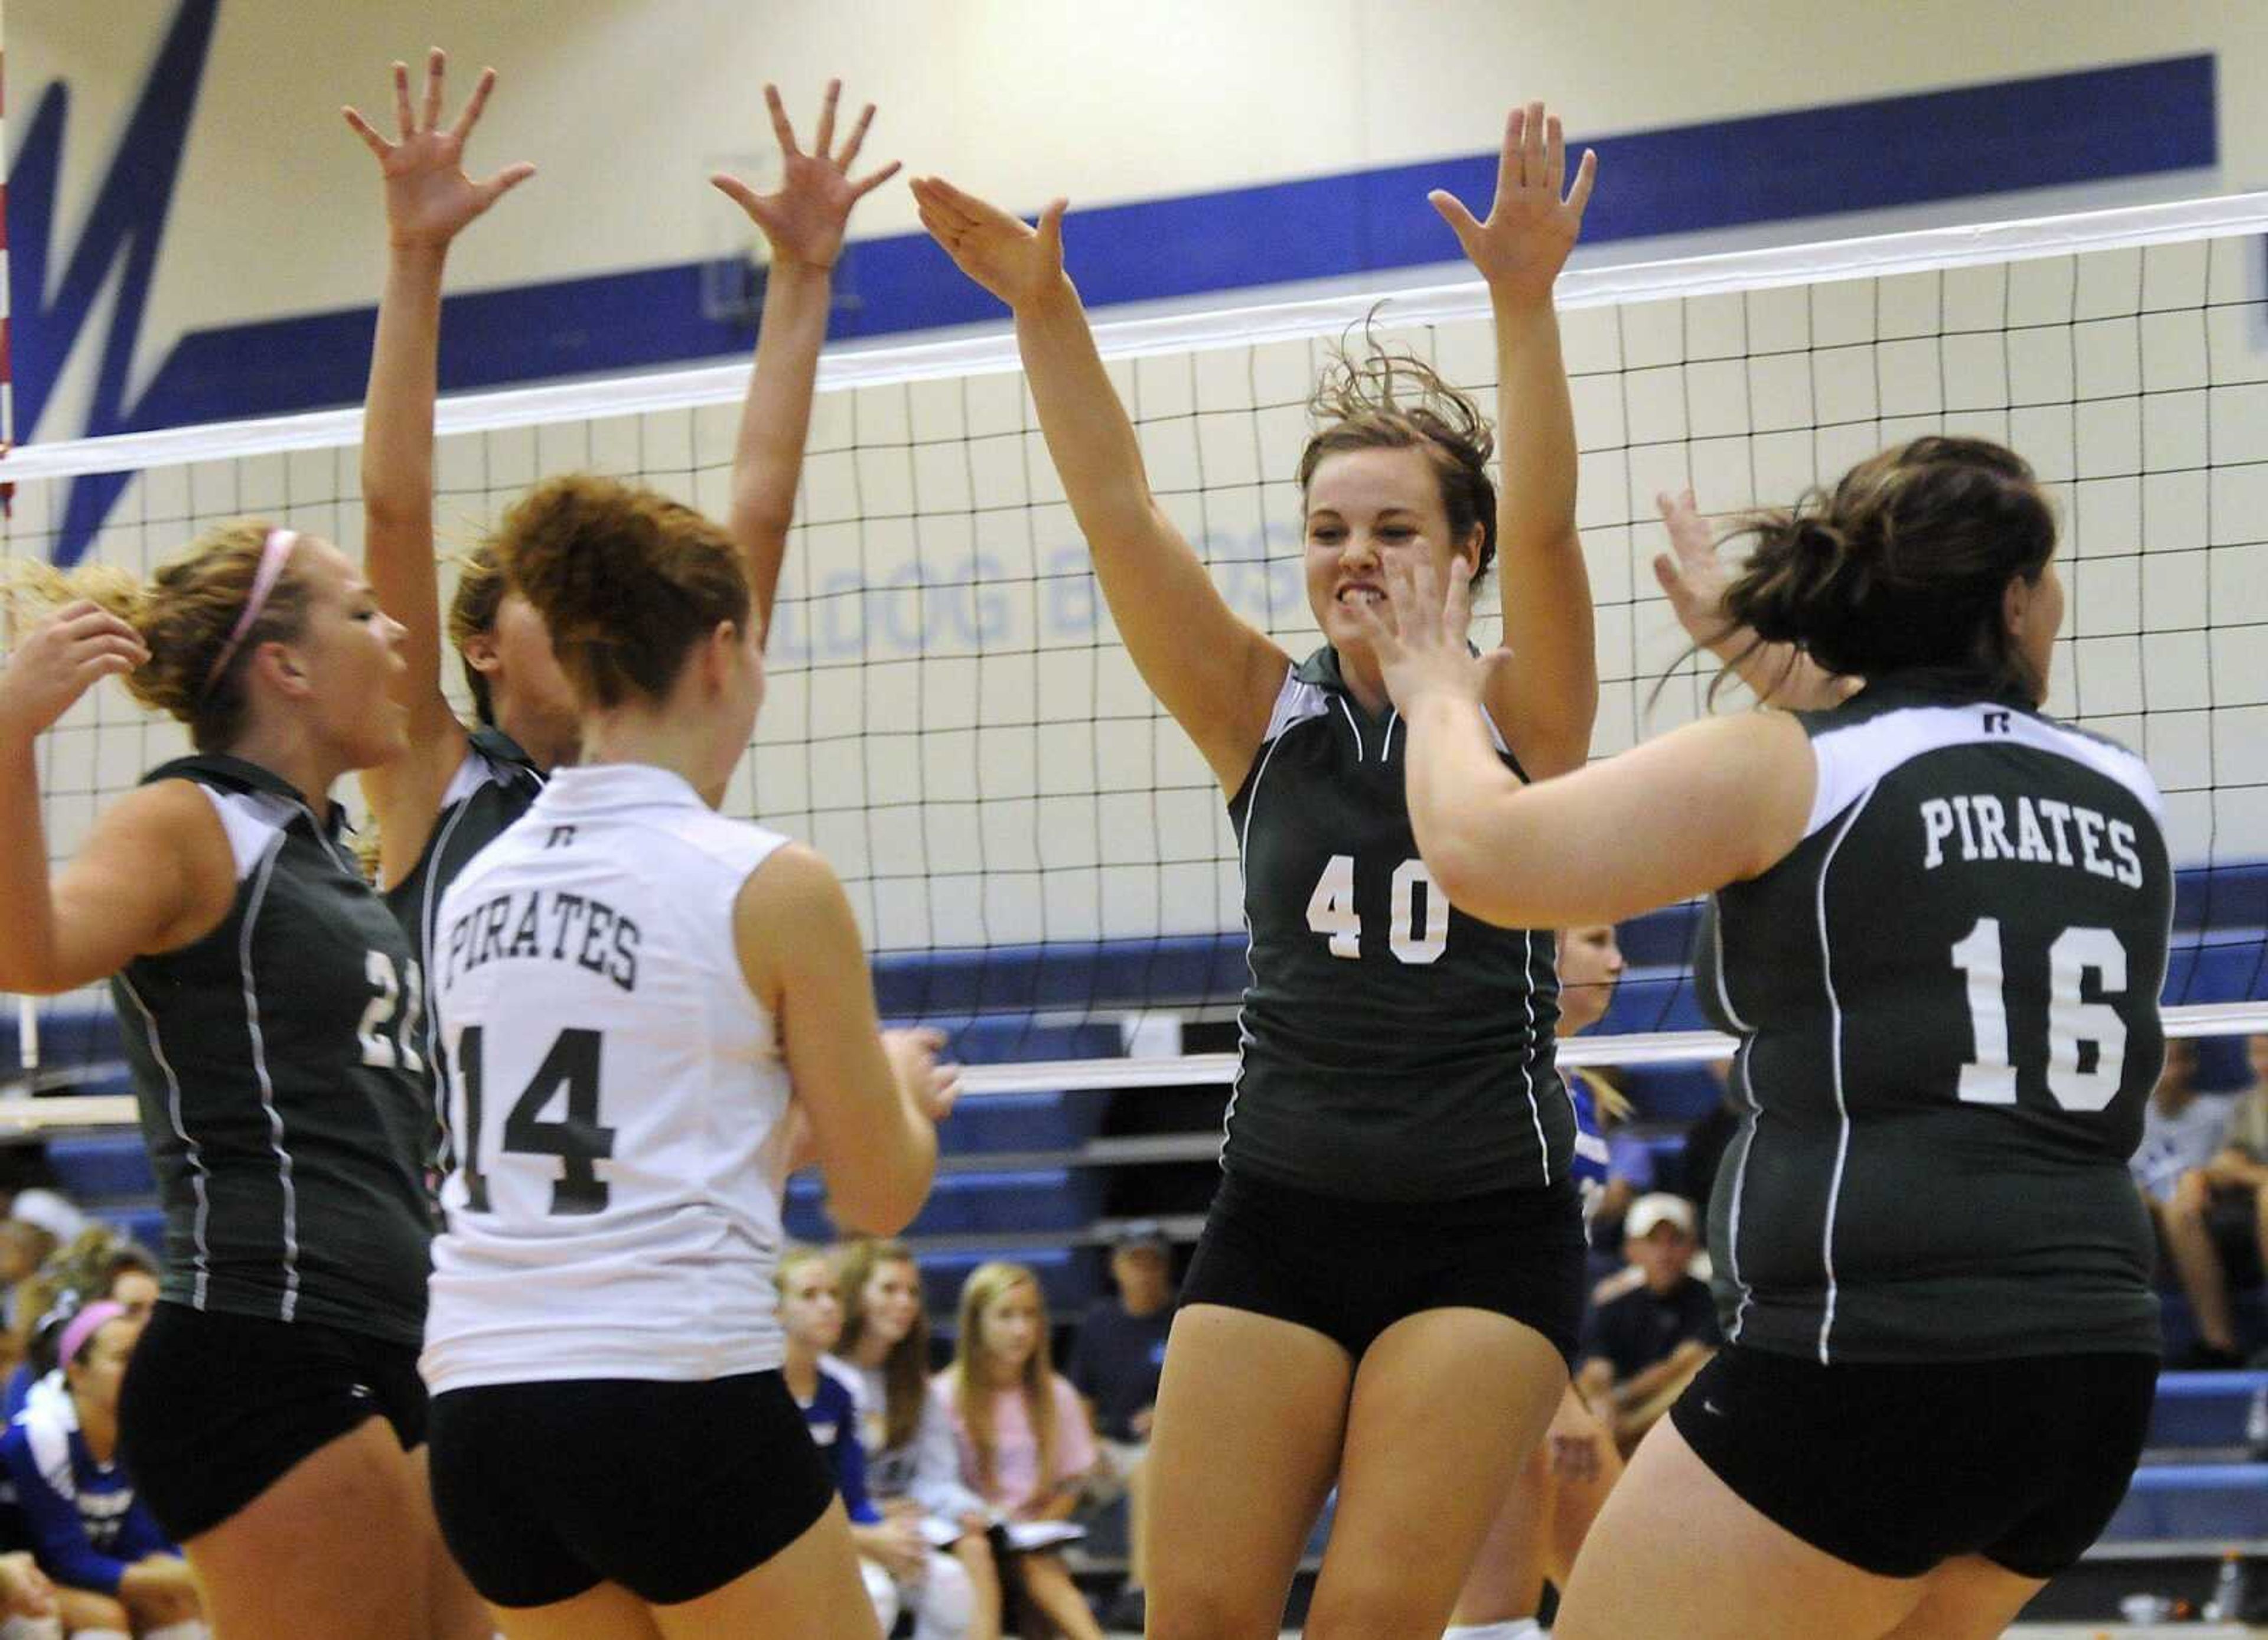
<point>1363,507</point>
<point>891,1299</point>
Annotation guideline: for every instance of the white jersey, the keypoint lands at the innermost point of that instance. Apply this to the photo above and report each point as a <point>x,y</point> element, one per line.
<point>617,1093</point>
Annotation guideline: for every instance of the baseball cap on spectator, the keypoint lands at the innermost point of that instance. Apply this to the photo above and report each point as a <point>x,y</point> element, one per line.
<point>1140,1235</point>
<point>49,1212</point>
<point>1649,1213</point>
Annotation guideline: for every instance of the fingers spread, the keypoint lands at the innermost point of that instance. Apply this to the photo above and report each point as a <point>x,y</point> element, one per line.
<point>437,66</point>
<point>856,139</point>
<point>363,128</point>
<point>782,128</point>
<point>824,142</point>
<point>471,115</point>
<point>404,119</point>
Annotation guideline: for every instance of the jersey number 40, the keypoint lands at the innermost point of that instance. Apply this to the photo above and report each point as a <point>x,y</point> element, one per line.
<point>1331,912</point>
<point>578,1140</point>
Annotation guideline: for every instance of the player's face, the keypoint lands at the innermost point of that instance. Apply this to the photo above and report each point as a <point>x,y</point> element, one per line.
<point>349,655</point>
<point>1011,1328</point>
<point>1590,964</point>
<point>811,1309</point>
<point>891,1300</point>
<point>533,703</point>
<point>138,1291</point>
<point>1363,507</point>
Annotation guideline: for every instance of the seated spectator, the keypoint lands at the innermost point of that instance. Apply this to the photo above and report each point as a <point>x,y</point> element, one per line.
<point>1115,1364</point>
<point>911,1459</point>
<point>1024,1446</point>
<point>116,1572</point>
<point>811,1317</point>
<point>2215,1213</point>
<point>1640,1349</point>
<point>99,1264</point>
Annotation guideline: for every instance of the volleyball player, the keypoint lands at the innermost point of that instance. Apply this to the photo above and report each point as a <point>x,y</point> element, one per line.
<point>633,992</point>
<point>270,1019</point>
<point>458,788</point>
<point>1389,1283</point>
<point>1943,930</point>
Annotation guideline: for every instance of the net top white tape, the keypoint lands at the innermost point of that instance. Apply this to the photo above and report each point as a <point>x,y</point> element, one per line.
<point>1772,268</point>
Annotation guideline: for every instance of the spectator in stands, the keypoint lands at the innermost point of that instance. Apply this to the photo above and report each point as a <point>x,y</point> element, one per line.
<point>117,1574</point>
<point>2216,1213</point>
<point>911,1458</point>
<point>1025,1445</point>
<point>99,1264</point>
<point>1639,1349</point>
<point>891,1550</point>
<point>1114,1364</point>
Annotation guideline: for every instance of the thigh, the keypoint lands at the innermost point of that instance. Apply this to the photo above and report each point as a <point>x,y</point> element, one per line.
<point>1446,1407</point>
<point>1968,1598</point>
<point>454,1611</point>
<point>1250,1413</point>
<point>1677,1551</point>
<point>1506,1580</point>
<point>605,1613</point>
<point>324,1549</point>
<point>811,1588</point>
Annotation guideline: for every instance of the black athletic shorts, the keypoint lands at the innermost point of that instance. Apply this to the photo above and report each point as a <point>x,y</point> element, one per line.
<point>1895,1468</point>
<point>1350,1270</point>
<point>670,1490</point>
<point>216,1408</point>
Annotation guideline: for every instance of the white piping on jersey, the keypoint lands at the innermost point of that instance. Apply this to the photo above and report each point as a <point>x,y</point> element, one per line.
<point>1748,1139</point>
<point>1349,710</point>
<point>267,1087</point>
<point>1857,758</point>
<point>1740,1187</point>
<point>1527,1053</point>
<point>428,914</point>
<point>194,1152</point>
<point>1243,842</point>
<point>1386,752</point>
<point>1835,1064</point>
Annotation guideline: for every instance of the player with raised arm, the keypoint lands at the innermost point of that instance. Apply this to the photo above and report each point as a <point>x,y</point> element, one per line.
<point>1943,925</point>
<point>1396,1245</point>
<point>458,787</point>
<point>272,1414</point>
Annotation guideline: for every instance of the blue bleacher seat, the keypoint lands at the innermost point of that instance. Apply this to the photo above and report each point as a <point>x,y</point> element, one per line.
<point>2208,1502</point>
<point>1021,1121</point>
<point>1042,1201</point>
<point>102,1167</point>
<point>2203,1409</point>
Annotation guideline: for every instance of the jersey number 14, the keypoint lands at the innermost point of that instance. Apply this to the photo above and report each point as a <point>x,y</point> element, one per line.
<point>578,1139</point>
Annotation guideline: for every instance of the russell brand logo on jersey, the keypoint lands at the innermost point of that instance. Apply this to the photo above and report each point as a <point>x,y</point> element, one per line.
<point>2043,831</point>
<point>553,925</point>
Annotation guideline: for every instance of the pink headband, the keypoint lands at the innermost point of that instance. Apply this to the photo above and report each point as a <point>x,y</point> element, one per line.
<point>275,553</point>
<point>84,1326</point>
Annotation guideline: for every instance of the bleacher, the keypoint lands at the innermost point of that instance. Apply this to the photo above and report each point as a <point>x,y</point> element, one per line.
<point>1044,1176</point>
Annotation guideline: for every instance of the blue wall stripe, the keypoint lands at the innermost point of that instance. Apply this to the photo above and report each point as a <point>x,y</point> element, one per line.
<point>2133,120</point>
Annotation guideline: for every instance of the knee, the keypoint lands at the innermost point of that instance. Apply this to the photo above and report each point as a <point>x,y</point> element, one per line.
<point>973,1556</point>
<point>2186,1205</point>
<point>947,1597</point>
<point>1178,1611</point>
<point>159,1608</point>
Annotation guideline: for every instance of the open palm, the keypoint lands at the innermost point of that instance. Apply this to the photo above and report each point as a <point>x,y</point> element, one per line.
<point>805,220</point>
<point>1013,261</point>
<point>429,197</point>
<point>1530,227</point>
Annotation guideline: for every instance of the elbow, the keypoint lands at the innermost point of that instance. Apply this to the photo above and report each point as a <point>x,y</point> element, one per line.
<point>882,1207</point>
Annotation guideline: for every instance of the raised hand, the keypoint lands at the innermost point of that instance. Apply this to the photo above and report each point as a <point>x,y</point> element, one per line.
<point>1418,630</point>
<point>429,197</point>
<point>1530,227</point>
<point>804,222</point>
<point>1016,262</point>
<point>1690,573</point>
<point>63,658</point>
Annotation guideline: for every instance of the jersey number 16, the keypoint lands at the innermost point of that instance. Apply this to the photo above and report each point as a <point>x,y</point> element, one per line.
<point>1991,1077</point>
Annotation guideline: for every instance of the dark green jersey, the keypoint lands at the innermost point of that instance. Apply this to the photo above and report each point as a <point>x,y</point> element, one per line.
<point>281,1091</point>
<point>493,787</point>
<point>1393,1047</point>
<point>1947,1000</point>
